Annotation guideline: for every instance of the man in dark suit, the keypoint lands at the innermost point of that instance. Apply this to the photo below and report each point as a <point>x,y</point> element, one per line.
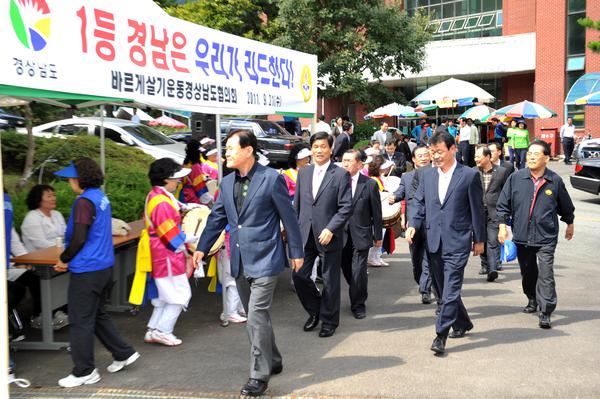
<point>443,127</point>
<point>498,158</point>
<point>364,229</point>
<point>493,178</point>
<point>449,202</point>
<point>253,201</point>
<point>343,142</point>
<point>396,157</point>
<point>323,203</point>
<point>406,191</point>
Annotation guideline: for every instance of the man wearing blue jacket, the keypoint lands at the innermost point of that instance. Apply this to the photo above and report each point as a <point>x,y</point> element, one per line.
<point>534,197</point>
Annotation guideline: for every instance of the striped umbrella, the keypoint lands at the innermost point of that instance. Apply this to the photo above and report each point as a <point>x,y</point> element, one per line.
<point>394,110</point>
<point>477,113</point>
<point>168,122</point>
<point>590,99</point>
<point>526,109</point>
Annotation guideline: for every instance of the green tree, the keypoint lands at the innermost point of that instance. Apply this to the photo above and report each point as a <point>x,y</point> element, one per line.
<point>589,23</point>
<point>247,18</point>
<point>354,39</point>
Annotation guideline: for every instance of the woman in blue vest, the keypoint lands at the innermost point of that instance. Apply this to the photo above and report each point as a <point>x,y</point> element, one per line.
<point>89,256</point>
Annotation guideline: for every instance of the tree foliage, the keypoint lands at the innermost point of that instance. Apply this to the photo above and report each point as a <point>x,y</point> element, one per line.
<point>589,23</point>
<point>354,39</point>
<point>247,18</point>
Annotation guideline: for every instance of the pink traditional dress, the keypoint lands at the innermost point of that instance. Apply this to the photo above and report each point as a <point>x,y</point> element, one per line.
<point>290,175</point>
<point>194,187</point>
<point>210,169</point>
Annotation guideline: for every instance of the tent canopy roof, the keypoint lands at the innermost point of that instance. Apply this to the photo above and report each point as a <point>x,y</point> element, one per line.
<point>588,83</point>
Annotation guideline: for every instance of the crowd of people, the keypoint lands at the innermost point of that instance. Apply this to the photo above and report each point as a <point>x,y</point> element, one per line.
<point>323,217</point>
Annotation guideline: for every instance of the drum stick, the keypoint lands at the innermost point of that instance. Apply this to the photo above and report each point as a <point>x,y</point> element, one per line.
<point>197,226</point>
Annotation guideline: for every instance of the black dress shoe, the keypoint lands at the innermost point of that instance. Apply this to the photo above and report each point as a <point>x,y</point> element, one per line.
<point>483,270</point>
<point>531,306</point>
<point>545,320</point>
<point>439,345</point>
<point>460,332</point>
<point>359,314</point>
<point>426,298</point>
<point>311,323</point>
<point>277,369</point>
<point>493,275</point>
<point>254,387</point>
<point>326,332</point>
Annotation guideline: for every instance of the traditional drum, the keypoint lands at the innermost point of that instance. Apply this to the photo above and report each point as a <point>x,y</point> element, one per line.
<point>194,222</point>
<point>212,186</point>
<point>391,213</point>
<point>391,183</point>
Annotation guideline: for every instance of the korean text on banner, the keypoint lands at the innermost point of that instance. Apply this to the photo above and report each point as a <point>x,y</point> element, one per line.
<point>134,50</point>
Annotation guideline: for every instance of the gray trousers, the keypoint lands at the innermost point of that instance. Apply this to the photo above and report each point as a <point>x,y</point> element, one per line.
<point>256,295</point>
<point>537,270</point>
<point>491,253</point>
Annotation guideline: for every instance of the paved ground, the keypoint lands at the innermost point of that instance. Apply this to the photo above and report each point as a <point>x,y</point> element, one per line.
<point>385,355</point>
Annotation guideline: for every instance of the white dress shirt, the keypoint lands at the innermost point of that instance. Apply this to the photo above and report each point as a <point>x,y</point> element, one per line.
<point>318,175</point>
<point>567,131</point>
<point>465,133</point>
<point>39,231</point>
<point>354,183</point>
<point>444,181</point>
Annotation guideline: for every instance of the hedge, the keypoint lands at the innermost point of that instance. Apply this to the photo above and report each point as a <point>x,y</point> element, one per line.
<point>126,182</point>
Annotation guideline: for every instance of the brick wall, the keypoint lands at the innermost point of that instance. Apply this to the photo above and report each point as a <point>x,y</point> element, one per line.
<point>549,86</point>
<point>518,16</point>
<point>592,64</point>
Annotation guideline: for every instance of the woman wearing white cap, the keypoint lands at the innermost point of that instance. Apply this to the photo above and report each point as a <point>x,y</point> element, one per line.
<point>299,158</point>
<point>170,266</point>
<point>377,167</point>
<point>209,166</point>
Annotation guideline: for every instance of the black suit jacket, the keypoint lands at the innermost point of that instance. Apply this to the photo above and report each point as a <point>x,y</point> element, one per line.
<point>330,209</point>
<point>490,196</point>
<point>342,144</point>
<point>366,223</point>
<point>399,160</point>
<point>509,166</point>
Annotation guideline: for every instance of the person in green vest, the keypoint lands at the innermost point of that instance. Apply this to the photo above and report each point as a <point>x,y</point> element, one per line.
<point>518,139</point>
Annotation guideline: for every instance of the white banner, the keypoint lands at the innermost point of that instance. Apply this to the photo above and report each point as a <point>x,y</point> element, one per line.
<point>132,49</point>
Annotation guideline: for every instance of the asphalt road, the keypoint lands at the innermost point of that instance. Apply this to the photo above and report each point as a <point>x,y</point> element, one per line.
<point>385,355</point>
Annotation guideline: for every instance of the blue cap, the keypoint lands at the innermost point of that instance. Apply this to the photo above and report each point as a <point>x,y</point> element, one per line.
<point>68,172</point>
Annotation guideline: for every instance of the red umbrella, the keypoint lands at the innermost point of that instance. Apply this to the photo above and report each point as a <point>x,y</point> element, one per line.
<point>168,122</point>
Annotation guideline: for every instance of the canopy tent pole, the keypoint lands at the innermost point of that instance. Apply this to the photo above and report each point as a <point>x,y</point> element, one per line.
<point>102,151</point>
<point>4,305</point>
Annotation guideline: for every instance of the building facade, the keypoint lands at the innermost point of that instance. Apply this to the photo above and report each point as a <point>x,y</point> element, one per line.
<point>515,49</point>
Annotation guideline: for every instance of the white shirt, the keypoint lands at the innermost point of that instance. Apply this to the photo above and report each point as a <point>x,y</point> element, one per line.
<point>39,231</point>
<point>318,175</point>
<point>567,131</point>
<point>465,133</point>
<point>354,183</point>
<point>444,181</point>
<point>323,126</point>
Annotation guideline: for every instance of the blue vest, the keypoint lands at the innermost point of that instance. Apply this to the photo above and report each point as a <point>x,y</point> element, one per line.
<point>8,220</point>
<point>97,252</point>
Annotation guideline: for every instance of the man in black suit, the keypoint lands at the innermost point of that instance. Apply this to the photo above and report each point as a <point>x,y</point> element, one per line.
<point>396,157</point>
<point>498,158</point>
<point>493,178</point>
<point>449,203</point>
<point>364,229</point>
<point>323,203</point>
<point>343,142</point>
<point>406,191</point>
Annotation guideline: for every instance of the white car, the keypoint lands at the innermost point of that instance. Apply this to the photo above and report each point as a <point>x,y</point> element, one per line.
<point>151,141</point>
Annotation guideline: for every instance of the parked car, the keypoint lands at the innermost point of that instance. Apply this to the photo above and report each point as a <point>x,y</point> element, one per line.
<point>121,131</point>
<point>587,175</point>
<point>272,138</point>
<point>589,148</point>
<point>10,121</point>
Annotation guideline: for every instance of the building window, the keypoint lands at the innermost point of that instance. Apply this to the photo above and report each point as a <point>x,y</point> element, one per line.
<point>575,32</point>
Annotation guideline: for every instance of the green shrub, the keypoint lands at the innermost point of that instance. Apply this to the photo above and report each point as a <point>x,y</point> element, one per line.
<point>364,130</point>
<point>126,183</point>
<point>361,144</point>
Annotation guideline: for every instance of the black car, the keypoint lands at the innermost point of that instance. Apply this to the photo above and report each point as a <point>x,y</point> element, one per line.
<point>587,175</point>
<point>272,138</point>
<point>9,121</point>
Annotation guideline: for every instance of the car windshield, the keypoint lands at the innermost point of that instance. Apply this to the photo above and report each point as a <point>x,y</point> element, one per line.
<point>271,128</point>
<point>147,135</point>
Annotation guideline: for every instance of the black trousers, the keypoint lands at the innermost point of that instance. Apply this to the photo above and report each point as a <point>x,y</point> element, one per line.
<point>465,151</point>
<point>568,143</point>
<point>491,253</point>
<point>32,281</point>
<point>87,317</point>
<point>537,270</point>
<point>326,304</point>
<point>448,270</point>
<point>354,268</point>
<point>420,264</point>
